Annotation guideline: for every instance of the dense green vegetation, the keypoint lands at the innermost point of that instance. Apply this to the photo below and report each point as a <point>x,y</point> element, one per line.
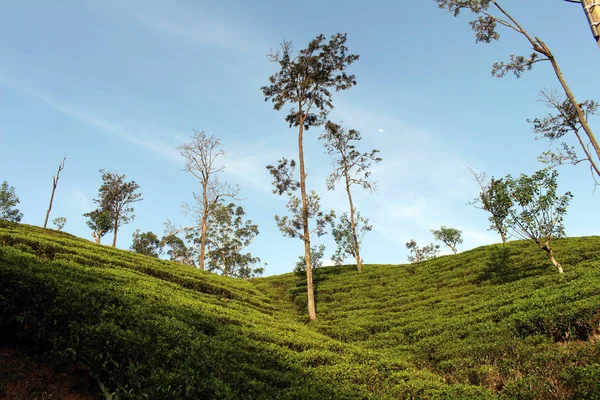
<point>491,322</point>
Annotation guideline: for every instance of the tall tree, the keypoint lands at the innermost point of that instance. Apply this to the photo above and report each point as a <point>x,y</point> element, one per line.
<point>201,156</point>
<point>451,237</point>
<point>100,222</point>
<point>55,179</point>
<point>537,212</point>
<point>8,202</point>
<point>354,168</point>
<point>348,236</point>
<point>297,225</point>
<point>228,235</point>
<point>146,243</point>
<point>316,260</point>
<point>305,81</point>
<point>494,199</point>
<point>116,197</point>
<point>490,14</point>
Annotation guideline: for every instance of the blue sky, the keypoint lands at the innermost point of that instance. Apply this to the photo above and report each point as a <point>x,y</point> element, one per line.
<point>120,84</point>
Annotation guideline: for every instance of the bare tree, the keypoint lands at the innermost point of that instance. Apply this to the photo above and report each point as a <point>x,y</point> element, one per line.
<point>201,155</point>
<point>54,185</point>
<point>490,14</point>
<point>305,81</point>
<point>354,168</point>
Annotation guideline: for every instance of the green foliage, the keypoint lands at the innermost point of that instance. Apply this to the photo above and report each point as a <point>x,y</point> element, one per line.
<point>8,202</point>
<point>100,222</point>
<point>537,212</point>
<point>149,328</point>
<point>146,243</point>
<point>115,198</point>
<point>227,235</point>
<point>451,237</point>
<point>424,253</point>
<point>493,198</point>
<point>59,222</point>
<point>316,260</point>
<point>343,235</point>
<point>292,226</point>
<point>178,251</point>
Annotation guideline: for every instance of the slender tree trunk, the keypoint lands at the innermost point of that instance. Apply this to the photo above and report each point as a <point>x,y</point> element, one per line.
<point>503,236</point>
<point>54,185</point>
<point>453,249</point>
<point>548,249</point>
<point>309,277</point>
<point>353,225</point>
<point>116,229</point>
<point>204,222</point>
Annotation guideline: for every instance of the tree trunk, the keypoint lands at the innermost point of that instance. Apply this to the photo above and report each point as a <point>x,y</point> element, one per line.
<point>546,247</point>
<point>54,183</point>
<point>453,249</point>
<point>503,236</point>
<point>353,224</point>
<point>116,228</point>
<point>309,277</point>
<point>204,222</point>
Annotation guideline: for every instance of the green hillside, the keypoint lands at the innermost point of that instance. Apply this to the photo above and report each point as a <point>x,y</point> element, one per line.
<point>491,322</point>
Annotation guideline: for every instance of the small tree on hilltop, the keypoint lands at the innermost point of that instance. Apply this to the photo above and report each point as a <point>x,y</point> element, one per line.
<point>494,199</point>
<point>59,222</point>
<point>178,251</point>
<point>421,253</point>
<point>449,236</point>
<point>8,202</point>
<point>354,168</point>
<point>316,261</point>
<point>228,234</point>
<point>115,197</point>
<point>146,243</point>
<point>306,81</point>
<point>100,222</point>
<point>537,212</point>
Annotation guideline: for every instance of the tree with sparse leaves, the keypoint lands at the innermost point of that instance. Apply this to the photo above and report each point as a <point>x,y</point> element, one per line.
<point>305,81</point>
<point>8,202</point>
<point>538,211</point>
<point>451,237</point>
<point>228,235</point>
<point>353,167</point>
<point>421,253</point>
<point>571,116</point>
<point>202,154</point>
<point>100,222</point>
<point>146,243</point>
<point>115,198</point>
<point>59,222</point>
<point>494,199</point>
<point>348,235</point>
<point>55,179</point>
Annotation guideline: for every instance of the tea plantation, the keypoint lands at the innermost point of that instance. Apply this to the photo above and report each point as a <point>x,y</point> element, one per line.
<point>493,322</point>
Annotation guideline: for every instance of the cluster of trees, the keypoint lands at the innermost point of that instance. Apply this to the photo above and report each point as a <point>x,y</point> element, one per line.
<point>451,237</point>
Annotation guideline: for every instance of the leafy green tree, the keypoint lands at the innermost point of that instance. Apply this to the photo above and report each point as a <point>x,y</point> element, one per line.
<point>537,212</point>
<point>178,251</point>
<point>228,234</point>
<point>305,81</point>
<point>451,237</point>
<point>59,222</point>
<point>348,235</point>
<point>316,261</point>
<point>571,115</point>
<point>8,202</point>
<point>494,199</point>
<point>201,156</point>
<point>421,253</point>
<point>354,168</point>
<point>100,222</point>
<point>115,198</point>
<point>55,179</point>
<point>146,243</point>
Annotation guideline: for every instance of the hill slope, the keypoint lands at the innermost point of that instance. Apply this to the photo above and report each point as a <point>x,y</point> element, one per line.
<point>484,323</point>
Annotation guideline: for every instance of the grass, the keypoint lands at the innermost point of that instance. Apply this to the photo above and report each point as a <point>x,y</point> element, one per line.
<point>493,322</point>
